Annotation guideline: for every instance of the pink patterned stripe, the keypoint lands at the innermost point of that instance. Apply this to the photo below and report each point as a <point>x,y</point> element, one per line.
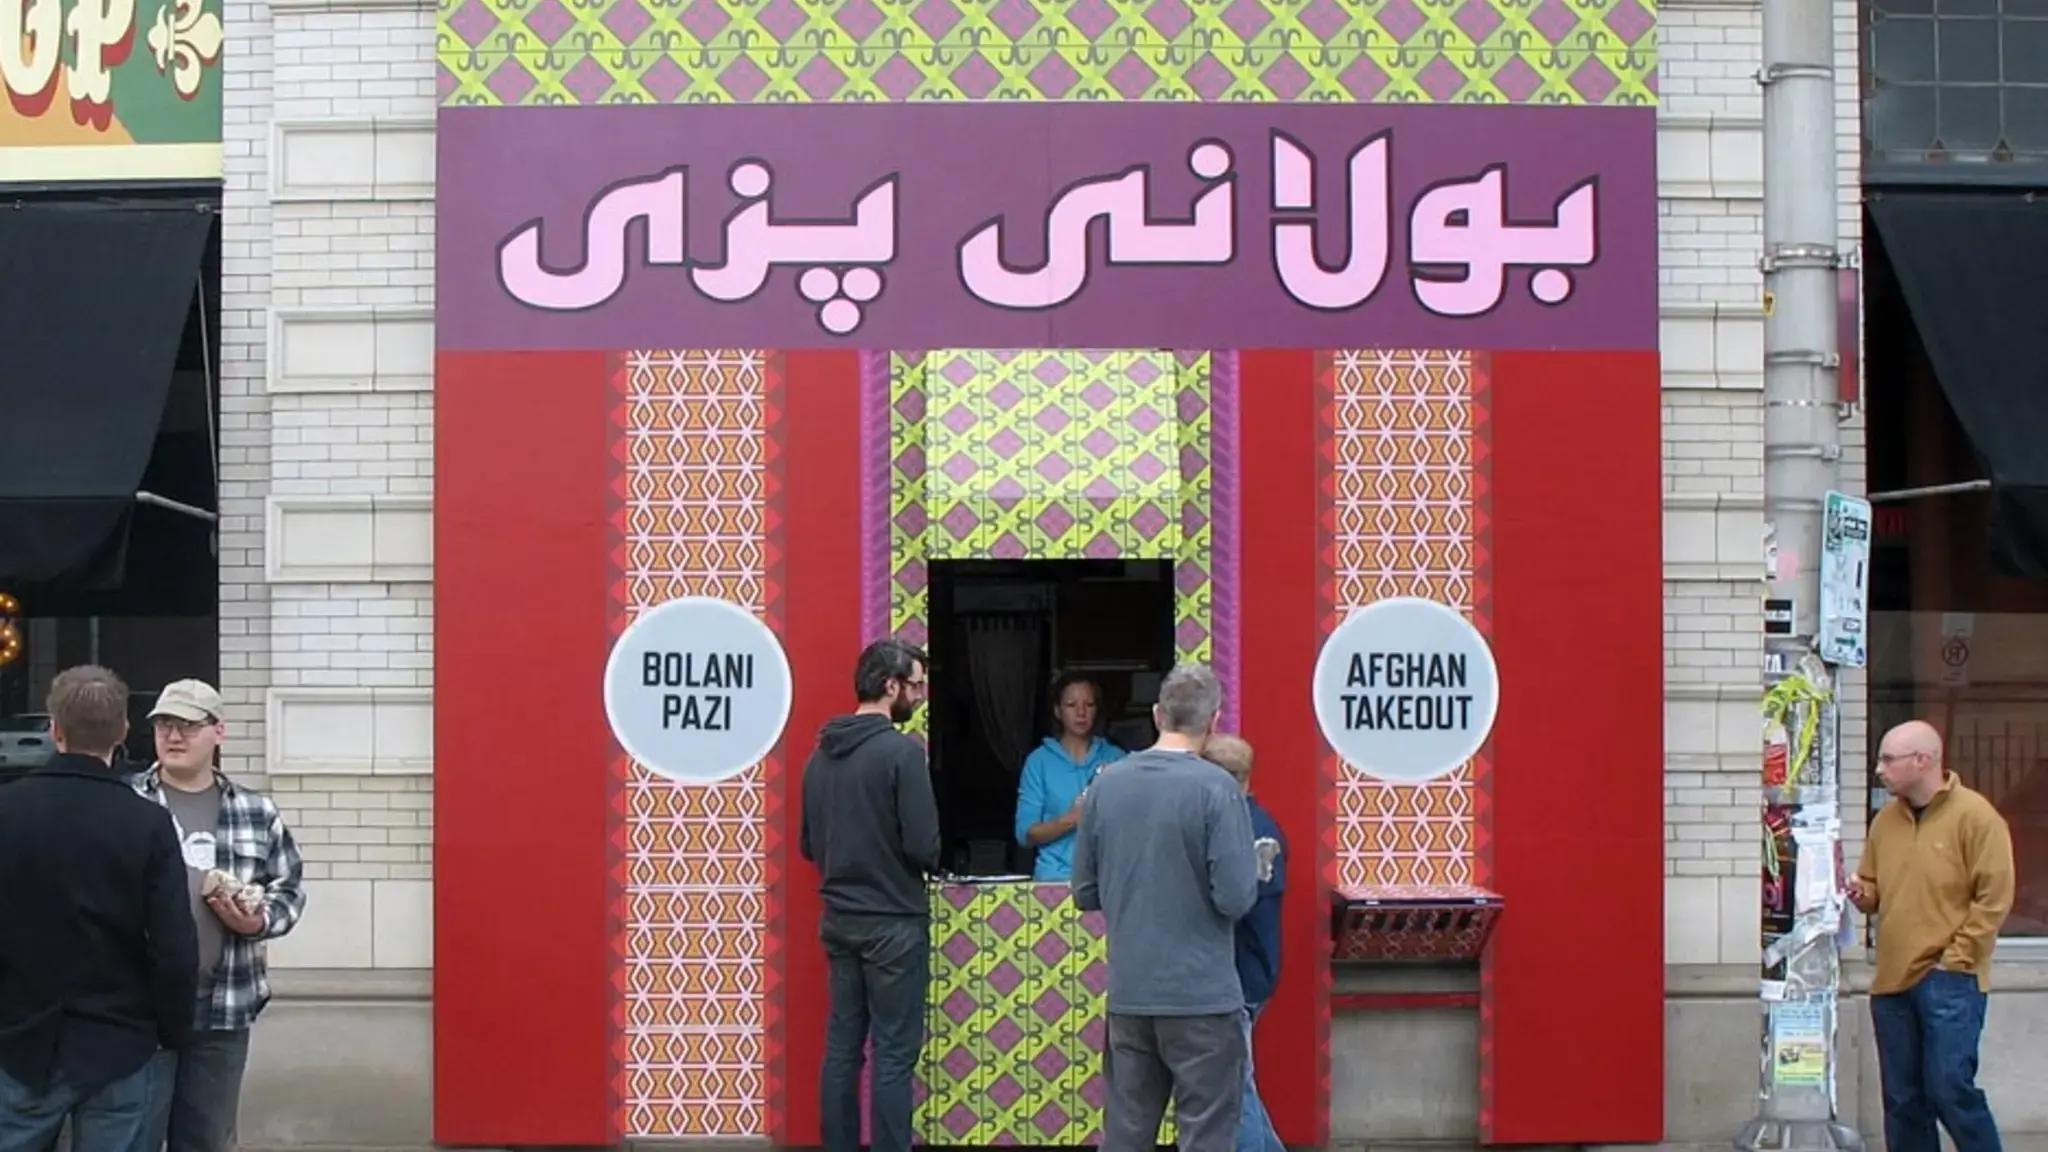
<point>1223,515</point>
<point>874,495</point>
<point>1482,593</point>
<point>618,613</point>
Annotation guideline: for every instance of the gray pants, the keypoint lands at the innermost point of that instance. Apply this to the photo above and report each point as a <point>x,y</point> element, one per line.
<point>201,1111</point>
<point>1197,1061</point>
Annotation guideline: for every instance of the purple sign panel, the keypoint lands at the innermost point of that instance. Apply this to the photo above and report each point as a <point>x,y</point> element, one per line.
<point>1047,226</point>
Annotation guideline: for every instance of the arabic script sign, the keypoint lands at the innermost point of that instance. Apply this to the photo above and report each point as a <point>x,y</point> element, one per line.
<point>109,90</point>
<point>1048,225</point>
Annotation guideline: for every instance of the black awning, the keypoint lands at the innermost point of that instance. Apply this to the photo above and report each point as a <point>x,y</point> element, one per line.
<point>1973,268</point>
<point>93,303</point>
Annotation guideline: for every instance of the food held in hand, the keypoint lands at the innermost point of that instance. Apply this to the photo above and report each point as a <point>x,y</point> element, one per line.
<point>247,897</point>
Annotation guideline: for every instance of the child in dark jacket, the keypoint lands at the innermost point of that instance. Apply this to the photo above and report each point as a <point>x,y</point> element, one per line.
<point>1258,935</point>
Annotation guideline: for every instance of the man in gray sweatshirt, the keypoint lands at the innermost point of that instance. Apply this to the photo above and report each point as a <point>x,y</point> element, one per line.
<point>871,826</point>
<point>1164,851</point>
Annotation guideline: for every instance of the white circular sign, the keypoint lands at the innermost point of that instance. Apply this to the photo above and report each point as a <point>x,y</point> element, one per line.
<point>698,690</point>
<point>1406,690</point>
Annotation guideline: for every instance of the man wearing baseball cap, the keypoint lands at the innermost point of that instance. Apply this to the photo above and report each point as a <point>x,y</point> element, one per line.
<point>243,872</point>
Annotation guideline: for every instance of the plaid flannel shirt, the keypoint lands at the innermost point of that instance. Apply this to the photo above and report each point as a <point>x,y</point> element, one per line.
<point>253,845</point>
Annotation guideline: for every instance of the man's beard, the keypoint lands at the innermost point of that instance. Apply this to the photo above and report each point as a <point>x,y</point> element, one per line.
<point>902,710</point>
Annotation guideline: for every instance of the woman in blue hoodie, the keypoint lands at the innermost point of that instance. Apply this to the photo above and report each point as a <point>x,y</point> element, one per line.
<point>1057,772</point>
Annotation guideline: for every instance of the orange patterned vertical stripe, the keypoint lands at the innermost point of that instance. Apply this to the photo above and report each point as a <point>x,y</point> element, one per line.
<point>1398,487</point>
<point>698,456</point>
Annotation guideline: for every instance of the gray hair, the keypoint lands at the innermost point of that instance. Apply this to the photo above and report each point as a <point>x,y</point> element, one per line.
<point>1189,700</point>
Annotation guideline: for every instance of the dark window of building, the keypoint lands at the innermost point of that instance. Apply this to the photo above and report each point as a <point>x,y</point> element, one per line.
<point>160,622</point>
<point>1960,86</point>
<point>1953,641</point>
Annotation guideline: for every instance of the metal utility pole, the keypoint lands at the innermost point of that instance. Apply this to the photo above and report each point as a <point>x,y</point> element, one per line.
<point>1802,910</point>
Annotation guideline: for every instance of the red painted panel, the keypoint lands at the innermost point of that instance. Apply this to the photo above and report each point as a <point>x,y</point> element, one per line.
<point>1483,582</point>
<point>822,631</point>
<point>1277,607</point>
<point>1578,750</point>
<point>1849,334</point>
<point>522,979</point>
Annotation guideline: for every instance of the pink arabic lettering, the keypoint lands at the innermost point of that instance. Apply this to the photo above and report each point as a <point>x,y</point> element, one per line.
<point>1460,241</point>
<point>660,201</point>
<point>842,260</point>
<point>1464,224</point>
<point>1124,201</point>
<point>755,243</point>
<point>1367,221</point>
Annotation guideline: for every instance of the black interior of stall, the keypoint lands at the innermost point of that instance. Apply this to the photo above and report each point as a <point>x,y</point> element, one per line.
<point>1001,631</point>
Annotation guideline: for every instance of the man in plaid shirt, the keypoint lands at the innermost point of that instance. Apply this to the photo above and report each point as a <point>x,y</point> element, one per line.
<point>225,828</point>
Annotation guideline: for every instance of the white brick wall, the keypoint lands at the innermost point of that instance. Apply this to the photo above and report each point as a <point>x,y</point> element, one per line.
<point>1712,236</point>
<point>327,426</point>
<point>327,454</point>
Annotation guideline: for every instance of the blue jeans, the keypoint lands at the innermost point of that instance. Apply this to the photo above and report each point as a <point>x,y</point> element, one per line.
<point>880,969</point>
<point>1927,1040</point>
<point>1255,1128</point>
<point>117,1118</point>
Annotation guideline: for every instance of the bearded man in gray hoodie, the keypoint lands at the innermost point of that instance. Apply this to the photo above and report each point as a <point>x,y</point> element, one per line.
<point>871,825</point>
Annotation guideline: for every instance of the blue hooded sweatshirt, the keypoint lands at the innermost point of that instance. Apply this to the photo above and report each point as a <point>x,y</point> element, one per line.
<point>1258,934</point>
<point>1051,782</point>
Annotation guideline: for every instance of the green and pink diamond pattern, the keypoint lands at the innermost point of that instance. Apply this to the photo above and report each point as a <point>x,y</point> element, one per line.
<point>543,52</point>
<point>1016,1028</point>
<point>1054,454</point>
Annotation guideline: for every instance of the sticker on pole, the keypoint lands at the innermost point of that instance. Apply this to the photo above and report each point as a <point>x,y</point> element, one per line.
<point>697,690</point>
<point>1406,690</point>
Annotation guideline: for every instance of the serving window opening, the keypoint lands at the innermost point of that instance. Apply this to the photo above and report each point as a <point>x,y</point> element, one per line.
<point>1005,637</point>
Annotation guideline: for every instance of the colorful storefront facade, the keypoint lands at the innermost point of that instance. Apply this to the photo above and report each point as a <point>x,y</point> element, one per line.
<point>788,304</point>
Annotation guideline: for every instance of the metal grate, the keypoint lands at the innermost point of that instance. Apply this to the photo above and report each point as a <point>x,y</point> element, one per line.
<point>1412,923</point>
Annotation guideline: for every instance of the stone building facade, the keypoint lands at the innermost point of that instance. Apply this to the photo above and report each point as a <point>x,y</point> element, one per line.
<point>327,565</point>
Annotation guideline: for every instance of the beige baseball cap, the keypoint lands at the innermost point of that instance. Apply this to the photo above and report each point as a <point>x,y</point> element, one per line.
<point>193,700</point>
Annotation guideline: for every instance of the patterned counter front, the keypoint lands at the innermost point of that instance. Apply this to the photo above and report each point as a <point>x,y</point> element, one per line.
<point>1016,1027</point>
